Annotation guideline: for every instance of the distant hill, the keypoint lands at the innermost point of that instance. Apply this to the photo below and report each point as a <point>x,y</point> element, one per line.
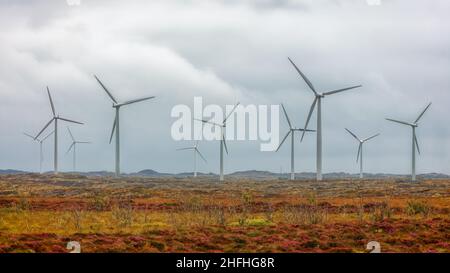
<point>255,174</point>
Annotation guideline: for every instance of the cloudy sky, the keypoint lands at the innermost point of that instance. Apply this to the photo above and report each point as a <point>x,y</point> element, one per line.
<point>225,51</point>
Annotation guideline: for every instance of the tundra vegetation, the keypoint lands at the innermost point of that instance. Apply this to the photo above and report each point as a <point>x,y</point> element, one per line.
<point>41,213</point>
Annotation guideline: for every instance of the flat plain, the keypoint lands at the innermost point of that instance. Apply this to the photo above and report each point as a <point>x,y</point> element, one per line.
<point>42,213</point>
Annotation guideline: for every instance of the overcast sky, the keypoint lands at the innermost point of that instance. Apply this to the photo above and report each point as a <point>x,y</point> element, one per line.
<point>226,51</point>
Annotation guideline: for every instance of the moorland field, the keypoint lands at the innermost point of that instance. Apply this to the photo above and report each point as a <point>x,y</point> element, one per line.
<point>41,213</point>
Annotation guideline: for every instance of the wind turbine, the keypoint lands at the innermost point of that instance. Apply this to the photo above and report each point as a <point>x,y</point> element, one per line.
<point>116,123</point>
<point>196,151</point>
<point>223,144</point>
<point>415,143</point>
<point>291,132</point>
<point>318,100</point>
<point>55,120</point>
<point>41,155</point>
<point>74,146</point>
<point>359,156</point>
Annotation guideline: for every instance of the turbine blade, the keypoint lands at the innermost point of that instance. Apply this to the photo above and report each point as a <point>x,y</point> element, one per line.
<point>225,143</point>
<point>113,129</point>
<point>350,132</point>
<point>417,144</point>
<point>303,76</point>
<point>200,154</point>
<point>70,133</point>
<point>135,101</point>
<point>229,114</point>
<point>188,148</point>
<point>51,102</point>
<point>281,143</point>
<point>69,120</point>
<point>43,129</point>
<point>303,130</point>
<point>209,122</point>
<point>423,112</point>
<point>341,90</point>
<point>401,122</point>
<point>309,117</point>
<point>359,152</point>
<point>106,89</point>
<point>369,138</point>
<point>30,136</point>
<point>70,148</point>
<point>84,142</point>
<point>287,117</point>
<point>47,136</point>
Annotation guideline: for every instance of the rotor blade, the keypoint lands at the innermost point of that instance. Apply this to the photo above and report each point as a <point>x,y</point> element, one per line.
<point>69,120</point>
<point>70,148</point>
<point>45,127</point>
<point>188,148</point>
<point>281,143</point>
<point>83,142</point>
<point>369,138</point>
<point>303,76</point>
<point>423,112</point>
<point>303,130</point>
<point>106,89</point>
<point>210,122</point>
<point>350,132</point>
<point>341,90</point>
<point>200,154</point>
<point>70,133</point>
<point>286,115</point>
<point>51,102</point>
<point>224,143</point>
<point>136,100</point>
<point>229,114</point>
<point>309,116</point>
<point>30,136</point>
<point>113,129</point>
<point>417,144</point>
<point>359,152</point>
<point>47,136</point>
<point>401,122</point>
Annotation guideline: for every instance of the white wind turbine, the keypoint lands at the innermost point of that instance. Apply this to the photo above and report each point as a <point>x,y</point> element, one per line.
<point>359,156</point>
<point>318,100</point>
<point>41,154</point>
<point>291,132</point>
<point>223,144</point>
<point>74,147</point>
<point>196,151</point>
<point>55,120</point>
<point>415,143</point>
<point>116,128</point>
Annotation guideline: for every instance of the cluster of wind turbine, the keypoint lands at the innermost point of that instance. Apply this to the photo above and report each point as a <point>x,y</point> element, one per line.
<point>223,143</point>
<point>359,156</point>
<point>415,143</point>
<point>318,100</point>
<point>41,154</point>
<point>196,152</point>
<point>291,132</point>
<point>54,119</point>
<point>74,147</point>
<point>116,128</point>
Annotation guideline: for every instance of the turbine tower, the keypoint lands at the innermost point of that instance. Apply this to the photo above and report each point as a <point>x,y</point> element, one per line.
<point>116,128</point>
<point>74,146</point>
<point>359,156</point>
<point>196,151</point>
<point>55,120</point>
<point>415,143</point>
<point>223,144</point>
<point>291,132</point>
<point>41,155</point>
<point>318,100</point>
